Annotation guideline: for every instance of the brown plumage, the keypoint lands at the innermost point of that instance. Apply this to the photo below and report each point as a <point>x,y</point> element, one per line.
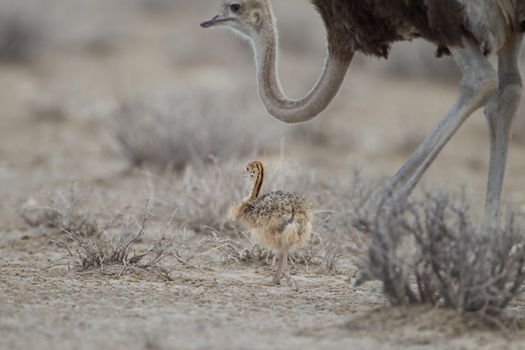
<point>270,215</point>
<point>279,221</point>
<point>371,26</point>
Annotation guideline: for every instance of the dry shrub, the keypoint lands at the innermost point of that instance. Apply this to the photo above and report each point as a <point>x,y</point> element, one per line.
<point>178,129</point>
<point>91,241</point>
<point>234,251</point>
<point>199,197</point>
<point>67,211</point>
<point>431,251</point>
<point>206,194</point>
<point>100,252</point>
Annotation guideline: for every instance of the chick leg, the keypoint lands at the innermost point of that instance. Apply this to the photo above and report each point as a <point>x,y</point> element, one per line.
<point>279,273</point>
<point>286,274</point>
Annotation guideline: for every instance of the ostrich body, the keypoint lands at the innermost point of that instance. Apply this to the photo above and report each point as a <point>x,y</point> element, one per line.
<point>278,220</point>
<point>466,29</point>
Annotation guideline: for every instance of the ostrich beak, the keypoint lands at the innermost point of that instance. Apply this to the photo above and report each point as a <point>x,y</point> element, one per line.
<point>221,18</point>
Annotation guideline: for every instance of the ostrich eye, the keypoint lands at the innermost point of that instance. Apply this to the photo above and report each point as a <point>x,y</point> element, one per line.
<point>235,8</point>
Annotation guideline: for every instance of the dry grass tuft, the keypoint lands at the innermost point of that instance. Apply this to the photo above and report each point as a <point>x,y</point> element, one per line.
<point>67,212</point>
<point>431,251</point>
<point>179,129</point>
<point>200,197</point>
<point>243,250</point>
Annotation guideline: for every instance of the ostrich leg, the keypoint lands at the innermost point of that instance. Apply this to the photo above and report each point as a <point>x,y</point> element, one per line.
<point>282,268</point>
<point>477,86</point>
<point>500,112</point>
<point>286,274</point>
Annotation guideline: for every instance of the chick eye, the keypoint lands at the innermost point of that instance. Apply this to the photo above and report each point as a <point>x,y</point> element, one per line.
<point>235,8</point>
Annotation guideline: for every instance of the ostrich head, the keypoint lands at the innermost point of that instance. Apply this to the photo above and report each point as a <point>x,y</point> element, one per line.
<point>245,17</point>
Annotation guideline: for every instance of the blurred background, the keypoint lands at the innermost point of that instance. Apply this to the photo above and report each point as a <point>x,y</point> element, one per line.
<point>92,88</point>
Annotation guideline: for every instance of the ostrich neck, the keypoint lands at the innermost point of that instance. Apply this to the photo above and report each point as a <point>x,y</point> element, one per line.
<point>272,95</point>
<point>256,187</point>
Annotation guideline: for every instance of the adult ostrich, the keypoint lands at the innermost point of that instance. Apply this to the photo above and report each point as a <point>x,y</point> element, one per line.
<point>466,29</point>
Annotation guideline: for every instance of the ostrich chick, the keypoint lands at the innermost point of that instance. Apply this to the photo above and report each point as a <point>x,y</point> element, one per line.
<point>279,221</point>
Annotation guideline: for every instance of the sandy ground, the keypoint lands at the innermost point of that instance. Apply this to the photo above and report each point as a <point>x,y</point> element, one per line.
<point>53,131</point>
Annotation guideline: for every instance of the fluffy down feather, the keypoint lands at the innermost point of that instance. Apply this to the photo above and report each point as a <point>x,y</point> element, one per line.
<point>276,218</point>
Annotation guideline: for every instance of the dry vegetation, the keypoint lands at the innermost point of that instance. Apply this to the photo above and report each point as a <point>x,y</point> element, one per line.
<point>86,235</point>
<point>432,251</point>
<point>66,211</point>
<point>194,127</point>
<point>101,252</point>
<point>426,251</point>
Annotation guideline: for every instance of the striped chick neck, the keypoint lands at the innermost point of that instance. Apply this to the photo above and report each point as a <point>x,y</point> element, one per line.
<point>257,180</point>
